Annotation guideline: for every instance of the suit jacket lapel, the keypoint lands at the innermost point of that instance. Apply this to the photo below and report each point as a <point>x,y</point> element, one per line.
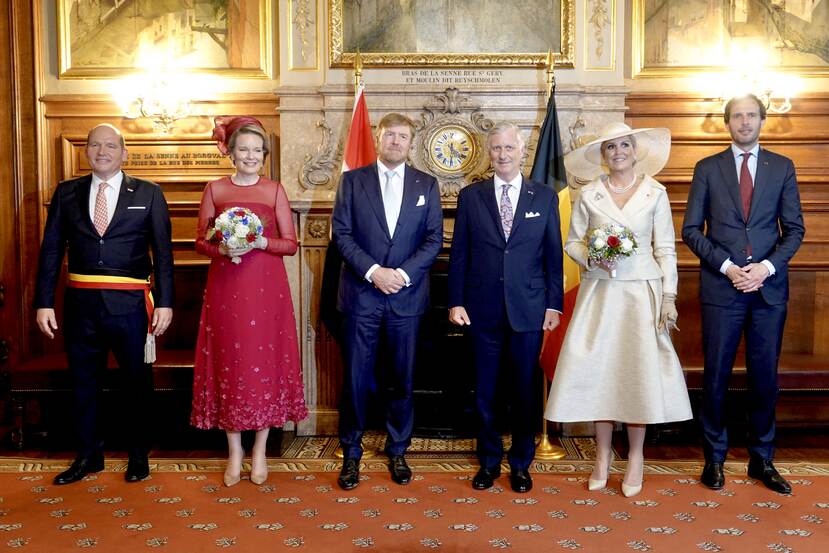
<point>488,192</point>
<point>728,168</point>
<point>604,203</point>
<point>639,201</point>
<point>761,179</point>
<point>524,201</point>
<point>411,187</point>
<point>82,196</point>
<point>127,189</point>
<point>371,186</point>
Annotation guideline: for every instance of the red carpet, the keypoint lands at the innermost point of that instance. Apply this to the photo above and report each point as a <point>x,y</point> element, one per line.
<point>185,508</point>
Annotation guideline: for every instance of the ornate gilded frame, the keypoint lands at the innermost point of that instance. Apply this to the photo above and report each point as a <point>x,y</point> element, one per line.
<point>565,58</point>
<point>640,70</point>
<point>66,70</point>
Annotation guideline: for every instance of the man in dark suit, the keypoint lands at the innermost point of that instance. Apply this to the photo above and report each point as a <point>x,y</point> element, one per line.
<point>744,222</point>
<point>388,226</point>
<point>505,281</point>
<point>108,221</point>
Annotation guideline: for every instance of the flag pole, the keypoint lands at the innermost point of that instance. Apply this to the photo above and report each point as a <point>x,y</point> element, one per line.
<point>546,449</point>
<point>368,453</point>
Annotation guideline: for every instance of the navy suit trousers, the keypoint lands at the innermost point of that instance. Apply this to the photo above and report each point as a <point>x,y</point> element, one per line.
<point>361,337</point>
<point>722,326</point>
<point>506,361</point>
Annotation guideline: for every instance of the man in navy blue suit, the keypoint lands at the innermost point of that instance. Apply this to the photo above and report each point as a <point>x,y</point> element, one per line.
<point>109,222</point>
<point>505,282</point>
<point>744,222</point>
<point>388,226</point>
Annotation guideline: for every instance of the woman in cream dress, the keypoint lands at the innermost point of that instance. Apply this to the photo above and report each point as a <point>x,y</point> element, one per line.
<point>617,362</point>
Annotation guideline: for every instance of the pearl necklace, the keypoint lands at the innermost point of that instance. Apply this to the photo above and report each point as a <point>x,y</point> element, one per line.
<point>620,189</point>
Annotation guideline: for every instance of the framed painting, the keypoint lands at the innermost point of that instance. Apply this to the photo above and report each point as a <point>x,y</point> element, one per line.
<point>402,33</point>
<point>672,37</point>
<point>111,38</point>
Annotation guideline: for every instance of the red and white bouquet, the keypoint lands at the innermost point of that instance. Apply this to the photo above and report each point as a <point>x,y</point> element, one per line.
<point>237,228</point>
<point>609,243</point>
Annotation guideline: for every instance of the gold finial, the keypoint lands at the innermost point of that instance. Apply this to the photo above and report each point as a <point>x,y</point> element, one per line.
<point>358,69</point>
<point>551,78</point>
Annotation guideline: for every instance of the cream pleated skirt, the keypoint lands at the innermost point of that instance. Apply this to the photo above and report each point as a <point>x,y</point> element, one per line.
<point>614,363</point>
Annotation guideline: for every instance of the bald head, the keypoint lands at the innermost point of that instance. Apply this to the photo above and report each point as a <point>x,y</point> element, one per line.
<point>105,150</point>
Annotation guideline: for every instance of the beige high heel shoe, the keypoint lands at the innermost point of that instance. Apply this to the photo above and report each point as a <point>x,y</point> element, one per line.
<point>594,484</point>
<point>231,479</point>
<point>258,477</point>
<point>630,491</point>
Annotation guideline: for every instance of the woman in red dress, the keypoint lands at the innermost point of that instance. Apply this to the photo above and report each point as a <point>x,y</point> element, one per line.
<point>247,374</point>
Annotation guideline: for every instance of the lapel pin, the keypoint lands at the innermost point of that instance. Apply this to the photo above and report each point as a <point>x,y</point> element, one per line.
<point>130,190</point>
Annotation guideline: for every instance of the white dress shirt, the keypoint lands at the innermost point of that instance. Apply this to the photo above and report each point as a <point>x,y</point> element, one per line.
<point>111,194</point>
<point>514,191</point>
<point>397,179</point>
<point>752,168</point>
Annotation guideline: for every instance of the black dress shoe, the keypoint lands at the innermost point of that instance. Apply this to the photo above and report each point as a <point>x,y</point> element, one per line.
<point>712,475</point>
<point>485,478</point>
<point>81,466</point>
<point>520,480</point>
<point>764,471</point>
<point>138,469</point>
<point>400,471</point>
<point>350,474</point>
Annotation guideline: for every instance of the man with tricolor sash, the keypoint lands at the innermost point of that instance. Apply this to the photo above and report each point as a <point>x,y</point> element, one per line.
<point>118,297</point>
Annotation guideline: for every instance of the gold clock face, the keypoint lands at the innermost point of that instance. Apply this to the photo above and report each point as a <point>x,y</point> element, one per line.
<point>452,148</point>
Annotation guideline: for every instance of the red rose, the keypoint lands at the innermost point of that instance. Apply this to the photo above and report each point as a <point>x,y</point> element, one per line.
<point>240,212</point>
<point>218,236</point>
<point>613,241</point>
<point>250,238</point>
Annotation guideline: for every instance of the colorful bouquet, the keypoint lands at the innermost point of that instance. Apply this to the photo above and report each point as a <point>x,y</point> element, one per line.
<point>609,243</point>
<point>236,229</point>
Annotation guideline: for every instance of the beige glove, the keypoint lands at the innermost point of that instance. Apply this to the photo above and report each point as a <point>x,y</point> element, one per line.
<point>669,314</point>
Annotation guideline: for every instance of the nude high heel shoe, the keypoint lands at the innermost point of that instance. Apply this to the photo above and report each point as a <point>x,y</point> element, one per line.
<point>630,491</point>
<point>231,478</point>
<point>594,484</point>
<point>258,475</point>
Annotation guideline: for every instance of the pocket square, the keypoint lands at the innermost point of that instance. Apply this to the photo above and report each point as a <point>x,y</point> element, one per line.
<point>531,214</point>
<point>136,207</point>
<point>421,200</point>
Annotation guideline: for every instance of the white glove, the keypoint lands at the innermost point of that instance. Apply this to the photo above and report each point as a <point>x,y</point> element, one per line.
<point>669,314</point>
<point>261,243</point>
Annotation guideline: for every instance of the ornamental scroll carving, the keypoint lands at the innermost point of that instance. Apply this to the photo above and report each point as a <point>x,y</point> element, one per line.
<point>317,170</point>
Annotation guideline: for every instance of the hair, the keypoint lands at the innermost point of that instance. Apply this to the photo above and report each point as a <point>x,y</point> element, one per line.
<point>395,120</point>
<point>249,129</point>
<point>502,127</point>
<point>113,127</point>
<point>735,99</point>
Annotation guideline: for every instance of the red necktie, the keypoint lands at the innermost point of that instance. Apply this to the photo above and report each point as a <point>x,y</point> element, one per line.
<point>746,185</point>
<point>100,219</point>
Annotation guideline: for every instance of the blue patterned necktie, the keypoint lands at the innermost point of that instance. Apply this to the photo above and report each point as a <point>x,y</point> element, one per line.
<point>506,210</point>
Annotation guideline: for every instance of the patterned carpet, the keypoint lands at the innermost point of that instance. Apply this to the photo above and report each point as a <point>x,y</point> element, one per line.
<point>184,507</point>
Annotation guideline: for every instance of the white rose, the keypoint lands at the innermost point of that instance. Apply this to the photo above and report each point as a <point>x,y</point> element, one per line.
<point>232,242</point>
<point>240,231</point>
<point>627,245</point>
<point>597,232</point>
<point>599,242</point>
<point>223,219</point>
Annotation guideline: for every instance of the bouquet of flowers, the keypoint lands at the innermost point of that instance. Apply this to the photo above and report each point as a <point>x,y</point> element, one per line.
<point>609,243</point>
<point>236,229</point>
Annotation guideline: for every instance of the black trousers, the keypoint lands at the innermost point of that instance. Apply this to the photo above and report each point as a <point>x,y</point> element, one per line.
<point>91,332</point>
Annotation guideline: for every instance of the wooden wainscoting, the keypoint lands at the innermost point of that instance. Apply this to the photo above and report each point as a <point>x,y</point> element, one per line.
<point>698,130</point>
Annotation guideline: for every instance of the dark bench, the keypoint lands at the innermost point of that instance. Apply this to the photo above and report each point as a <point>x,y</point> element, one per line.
<point>172,371</point>
<point>803,380</point>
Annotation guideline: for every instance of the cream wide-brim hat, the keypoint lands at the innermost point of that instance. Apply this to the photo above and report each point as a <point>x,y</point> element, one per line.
<point>653,145</point>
